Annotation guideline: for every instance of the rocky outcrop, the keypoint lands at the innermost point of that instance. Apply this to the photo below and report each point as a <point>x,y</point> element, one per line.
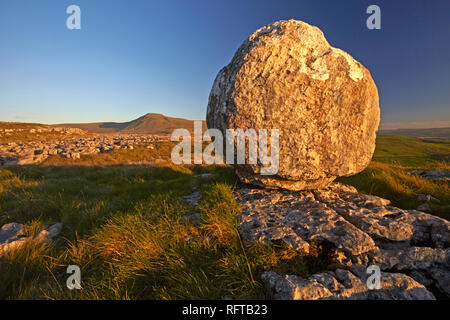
<point>12,238</point>
<point>359,230</point>
<point>298,219</point>
<point>344,285</point>
<point>286,76</point>
<point>38,130</point>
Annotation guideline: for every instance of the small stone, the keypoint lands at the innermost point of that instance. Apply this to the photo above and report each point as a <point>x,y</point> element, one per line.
<point>424,207</point>
<point>427,198</point>
<point>433,175</point>
<point>193,199</point>
<point>9,231</point>
<point>206,176</point>
<point>50,233</point>
<point>75,155</point>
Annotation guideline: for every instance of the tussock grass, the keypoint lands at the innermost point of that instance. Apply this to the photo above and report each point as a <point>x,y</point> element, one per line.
<point>23,270</point>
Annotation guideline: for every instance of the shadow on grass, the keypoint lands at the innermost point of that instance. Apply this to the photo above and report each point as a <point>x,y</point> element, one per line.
<point>83,196</point>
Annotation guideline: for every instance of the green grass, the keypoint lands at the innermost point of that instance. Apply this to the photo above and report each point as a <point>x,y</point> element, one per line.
<point>124,227</point>
<point>411,152</point>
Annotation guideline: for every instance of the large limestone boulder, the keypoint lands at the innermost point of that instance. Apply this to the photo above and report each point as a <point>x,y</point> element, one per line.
<point>286,76</point>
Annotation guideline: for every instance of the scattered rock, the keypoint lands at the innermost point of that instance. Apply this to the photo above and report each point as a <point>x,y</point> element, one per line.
<point>410,258</point>
<point>297,219</point>
<point>75,155</point>
<point>433,175</point>
<point>50,233</point>
<point>35,152</point>
<point>439,276</point>
<point>11,237</point>
<point>206,176</point>
<point>424,207</point>
<point>286,76</point>
<point>428,198</point>
<point>28,160</point>
<point>194,218</point>
<point>193,199</point>
<point>10,231</point>
<point>8,161</point>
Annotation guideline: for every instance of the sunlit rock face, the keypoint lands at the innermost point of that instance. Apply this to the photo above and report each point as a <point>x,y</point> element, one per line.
<point>286,76</point>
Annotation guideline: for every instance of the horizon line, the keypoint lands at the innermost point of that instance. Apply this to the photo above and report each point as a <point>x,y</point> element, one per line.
<point>384,126</point>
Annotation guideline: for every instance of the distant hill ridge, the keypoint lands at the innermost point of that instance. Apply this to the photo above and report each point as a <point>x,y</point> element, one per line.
<point>151,123</point>
<point>436,133</point>
<point>155,123</point>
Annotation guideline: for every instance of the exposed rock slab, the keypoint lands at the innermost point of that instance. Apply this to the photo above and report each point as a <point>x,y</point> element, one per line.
<point>374,216</point>
<point>286,76</point>
<point>364,230</point>
<point>410,258</point>
<point>297,219</point>
<point>344,285</point>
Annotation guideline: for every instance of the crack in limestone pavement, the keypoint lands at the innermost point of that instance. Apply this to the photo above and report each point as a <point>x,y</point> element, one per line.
<point>362,229</point>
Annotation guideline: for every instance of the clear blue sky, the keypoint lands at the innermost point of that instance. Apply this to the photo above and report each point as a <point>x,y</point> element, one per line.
<point>132,57</point>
